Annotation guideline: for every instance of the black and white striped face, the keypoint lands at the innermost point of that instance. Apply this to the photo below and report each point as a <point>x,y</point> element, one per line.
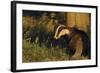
<point>61,31</point>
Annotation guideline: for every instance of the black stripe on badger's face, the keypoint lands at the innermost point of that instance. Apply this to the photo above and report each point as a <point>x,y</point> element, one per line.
<point>58,30</point>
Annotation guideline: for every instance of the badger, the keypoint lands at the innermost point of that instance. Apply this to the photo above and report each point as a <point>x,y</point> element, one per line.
<point>78,42</point>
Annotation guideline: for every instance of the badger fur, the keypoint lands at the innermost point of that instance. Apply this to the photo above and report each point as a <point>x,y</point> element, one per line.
<point>78,42</point>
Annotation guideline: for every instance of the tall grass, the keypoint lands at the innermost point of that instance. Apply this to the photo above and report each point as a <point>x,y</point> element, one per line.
<point>32,52</point>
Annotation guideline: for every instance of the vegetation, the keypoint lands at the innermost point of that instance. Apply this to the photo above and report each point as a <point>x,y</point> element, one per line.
<point>32,52</point>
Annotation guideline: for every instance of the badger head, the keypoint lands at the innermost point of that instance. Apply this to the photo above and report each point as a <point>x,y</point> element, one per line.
<point>61,31</point>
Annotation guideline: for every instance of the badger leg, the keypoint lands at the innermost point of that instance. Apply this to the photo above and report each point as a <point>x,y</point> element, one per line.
<point>78,48</point>
<point>77,44</point>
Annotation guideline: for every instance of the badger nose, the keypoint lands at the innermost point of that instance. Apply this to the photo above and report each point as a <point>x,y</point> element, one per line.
<point>55,37</point>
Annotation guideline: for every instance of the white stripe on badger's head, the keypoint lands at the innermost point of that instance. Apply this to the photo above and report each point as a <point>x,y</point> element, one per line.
<point>61,32</point>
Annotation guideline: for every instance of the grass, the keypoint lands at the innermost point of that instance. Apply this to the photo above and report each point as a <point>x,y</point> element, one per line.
<point>32,52</point>
<point>35,53</point>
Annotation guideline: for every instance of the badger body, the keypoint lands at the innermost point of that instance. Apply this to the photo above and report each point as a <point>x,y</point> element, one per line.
<point>78,42</point>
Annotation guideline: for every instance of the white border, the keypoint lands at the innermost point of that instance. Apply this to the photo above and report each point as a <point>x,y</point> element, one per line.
<point>36,65</point>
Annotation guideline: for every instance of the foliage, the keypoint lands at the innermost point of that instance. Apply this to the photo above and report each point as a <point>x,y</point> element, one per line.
<point>32,52</point>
